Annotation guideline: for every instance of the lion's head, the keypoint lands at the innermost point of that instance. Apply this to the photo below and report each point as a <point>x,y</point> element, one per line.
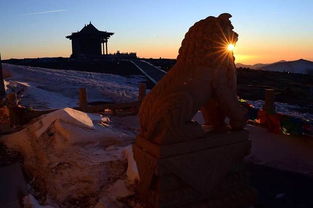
<point>206,42</point>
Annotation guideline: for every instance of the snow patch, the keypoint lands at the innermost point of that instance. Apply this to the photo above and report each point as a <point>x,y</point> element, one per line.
<point>70,156</point>
<point>132,170</point>
<point>284,108</point>
<point>48,88</point>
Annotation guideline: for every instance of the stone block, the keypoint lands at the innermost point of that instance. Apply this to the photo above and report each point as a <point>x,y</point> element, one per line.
<point>190,172</point>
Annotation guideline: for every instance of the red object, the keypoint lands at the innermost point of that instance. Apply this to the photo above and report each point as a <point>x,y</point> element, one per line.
<point>270,121</point>
<point>262,116</point>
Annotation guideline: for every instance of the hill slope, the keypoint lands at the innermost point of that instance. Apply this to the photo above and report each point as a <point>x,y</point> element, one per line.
<point>300,66</point>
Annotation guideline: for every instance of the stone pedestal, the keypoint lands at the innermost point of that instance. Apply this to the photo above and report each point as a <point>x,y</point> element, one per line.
<point>202,172</point>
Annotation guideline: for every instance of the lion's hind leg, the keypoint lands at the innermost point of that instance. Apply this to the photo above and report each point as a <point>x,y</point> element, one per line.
<point>176,120</point>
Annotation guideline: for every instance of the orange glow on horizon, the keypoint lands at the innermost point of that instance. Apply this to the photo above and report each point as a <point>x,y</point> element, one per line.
<point>255,53</point>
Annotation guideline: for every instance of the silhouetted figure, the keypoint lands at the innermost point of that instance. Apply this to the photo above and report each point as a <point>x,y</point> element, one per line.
<point>89,41</point>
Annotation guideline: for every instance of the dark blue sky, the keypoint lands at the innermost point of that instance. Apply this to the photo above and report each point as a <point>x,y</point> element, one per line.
<point>269,30</point>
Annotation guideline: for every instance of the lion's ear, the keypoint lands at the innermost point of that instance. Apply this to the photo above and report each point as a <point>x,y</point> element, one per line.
<point>225,16</point>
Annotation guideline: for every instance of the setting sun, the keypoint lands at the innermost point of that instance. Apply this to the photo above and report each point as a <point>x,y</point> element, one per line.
<point>230,47</point>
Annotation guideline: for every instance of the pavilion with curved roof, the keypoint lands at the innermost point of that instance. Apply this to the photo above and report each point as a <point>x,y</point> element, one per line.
<point>89,41</point>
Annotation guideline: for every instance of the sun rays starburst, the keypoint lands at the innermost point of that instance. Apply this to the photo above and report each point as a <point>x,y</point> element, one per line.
<point>230,47</point>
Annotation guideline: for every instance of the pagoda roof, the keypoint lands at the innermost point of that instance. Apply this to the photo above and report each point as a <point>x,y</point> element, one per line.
<point>90,30</point>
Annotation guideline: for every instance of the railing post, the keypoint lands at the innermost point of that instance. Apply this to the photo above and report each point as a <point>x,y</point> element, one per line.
<point>269,100</point>
<point>83,103</point>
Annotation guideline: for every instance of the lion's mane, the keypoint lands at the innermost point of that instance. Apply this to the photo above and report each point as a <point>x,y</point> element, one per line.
<point>166,112</point>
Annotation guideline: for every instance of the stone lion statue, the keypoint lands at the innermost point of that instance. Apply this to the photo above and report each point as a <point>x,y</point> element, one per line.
<point>204,77</point>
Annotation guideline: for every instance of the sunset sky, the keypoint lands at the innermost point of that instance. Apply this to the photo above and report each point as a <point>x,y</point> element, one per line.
<point>269,30</point>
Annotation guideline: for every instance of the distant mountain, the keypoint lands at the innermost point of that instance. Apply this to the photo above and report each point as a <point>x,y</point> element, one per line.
<point>244,65</point>
<point>300,66</point>
<point>255,66</point>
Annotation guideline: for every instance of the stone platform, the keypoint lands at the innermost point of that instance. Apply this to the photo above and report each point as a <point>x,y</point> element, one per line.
<point>204,172</point>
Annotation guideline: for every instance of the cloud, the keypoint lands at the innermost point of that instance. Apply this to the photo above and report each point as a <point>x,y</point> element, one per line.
<point>46,12</point>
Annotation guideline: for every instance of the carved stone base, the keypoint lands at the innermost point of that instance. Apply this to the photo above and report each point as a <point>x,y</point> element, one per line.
<point>199,172</point>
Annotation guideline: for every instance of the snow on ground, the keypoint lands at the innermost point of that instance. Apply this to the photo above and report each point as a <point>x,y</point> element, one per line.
<point>43,88</point>
<point>85,159</point>
<point>284,108</point>
<point>73,158</point>
<point>82,158</point>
